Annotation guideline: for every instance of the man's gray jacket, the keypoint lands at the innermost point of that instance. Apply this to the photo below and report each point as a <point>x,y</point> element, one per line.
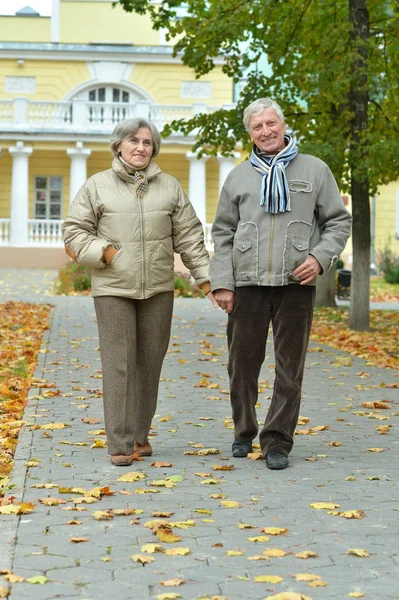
<point>253,247</point>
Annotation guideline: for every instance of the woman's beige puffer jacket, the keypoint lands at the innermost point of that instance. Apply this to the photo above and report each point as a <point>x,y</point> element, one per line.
<point>146,232</point>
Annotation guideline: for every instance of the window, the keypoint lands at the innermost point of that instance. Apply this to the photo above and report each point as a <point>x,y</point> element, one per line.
<point>110,102</point>
<point>48,197</point>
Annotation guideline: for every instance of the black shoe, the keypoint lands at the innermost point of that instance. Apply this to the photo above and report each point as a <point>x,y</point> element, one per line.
<point>276,461</point>
<point>241,449</point>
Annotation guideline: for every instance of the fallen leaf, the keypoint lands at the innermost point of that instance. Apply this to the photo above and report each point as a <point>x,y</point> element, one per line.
<point>307,577</point>
<point>4,593</point>
<point>99,444</point>
<point>235,552</point>
<point>141,558</point>
<point>177,551</point>
<point>268,579</point>
<point>161,465</point>
<point>245,526</point>
<point>358,552</point>
<point>352,514</point>
<point>356,594</point>
<point>334,444</point>
<point>230,504</point>
<point>259,538</point>
<point>274,552</point>
<point>54,426</point>
<point>306,554</point>
<point>52,501</point>
<point>256,456</point>
<point>288,596</point>
<point>324,505</point>
<point>375,449</point>
<point>41,579</point>
<point>79,540</point>
<point>223,467</point>
<point>274,530</point>
<point>318,583</point>
<point>102,515</point>
<point>167,596</point>
<point>12,578</point>
<point>91,420</point>
<point>172,582</point>
<point>131,477</point>
<point>151,548</point>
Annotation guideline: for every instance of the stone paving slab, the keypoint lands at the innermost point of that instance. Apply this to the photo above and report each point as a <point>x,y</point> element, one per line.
<point>192,419</point>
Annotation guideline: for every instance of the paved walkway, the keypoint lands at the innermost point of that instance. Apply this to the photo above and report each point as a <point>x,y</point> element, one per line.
<point>331,462</point>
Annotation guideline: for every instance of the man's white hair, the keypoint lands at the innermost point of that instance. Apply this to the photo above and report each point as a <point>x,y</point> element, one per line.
<point>258,106</point>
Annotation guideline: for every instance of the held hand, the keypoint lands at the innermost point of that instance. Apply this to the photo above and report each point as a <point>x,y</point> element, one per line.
<point>308,270</point>
<point>211,298</point>
<point>225,299</point>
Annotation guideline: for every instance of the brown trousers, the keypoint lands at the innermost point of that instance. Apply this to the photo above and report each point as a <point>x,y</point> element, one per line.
<point>290,310</point>
<point>134,337</point>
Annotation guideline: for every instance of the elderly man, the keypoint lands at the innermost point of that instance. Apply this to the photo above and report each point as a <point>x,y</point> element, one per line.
<point>280,222</point>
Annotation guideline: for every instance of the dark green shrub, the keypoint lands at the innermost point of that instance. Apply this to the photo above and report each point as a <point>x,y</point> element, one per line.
<point>340,264</point>
<point>388,263</point>
<point>73,278</point>
<point>185,288</point>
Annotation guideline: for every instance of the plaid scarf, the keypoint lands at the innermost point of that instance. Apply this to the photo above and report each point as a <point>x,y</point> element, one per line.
<point>140,181</point>
<point>274,192</point>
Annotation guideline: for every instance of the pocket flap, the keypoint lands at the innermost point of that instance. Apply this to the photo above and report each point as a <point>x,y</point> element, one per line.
<point>300,244</point>
<point>243,246</point>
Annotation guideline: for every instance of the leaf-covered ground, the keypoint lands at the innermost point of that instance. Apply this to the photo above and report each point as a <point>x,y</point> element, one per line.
<point>379,347</point>
<point>381,291</point>
<point>21,330</point>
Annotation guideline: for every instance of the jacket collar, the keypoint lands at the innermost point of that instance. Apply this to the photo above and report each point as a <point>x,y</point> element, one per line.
<point>121,171</point>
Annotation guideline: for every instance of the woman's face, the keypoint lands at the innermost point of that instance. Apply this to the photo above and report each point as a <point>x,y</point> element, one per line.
<point>137,149</point>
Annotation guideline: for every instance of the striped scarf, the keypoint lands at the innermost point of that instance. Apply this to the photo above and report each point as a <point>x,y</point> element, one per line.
<point>274,192</point>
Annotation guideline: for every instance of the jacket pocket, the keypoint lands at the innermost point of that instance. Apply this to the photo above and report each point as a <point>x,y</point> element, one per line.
<point>161,267</point>
<point>298,253</point>
<point>120,273</point>
<point>245,259</point>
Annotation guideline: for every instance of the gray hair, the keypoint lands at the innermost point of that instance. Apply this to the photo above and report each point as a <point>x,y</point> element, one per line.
<point>129,127</point>
<point>257,108</point>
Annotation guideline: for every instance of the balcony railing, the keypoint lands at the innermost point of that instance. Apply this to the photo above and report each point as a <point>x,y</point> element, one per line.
<point>80,116</point>
<point>47,233</point>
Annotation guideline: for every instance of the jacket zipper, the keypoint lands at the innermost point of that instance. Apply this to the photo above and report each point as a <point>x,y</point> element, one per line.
<point>142,245</point>
<point>271,249</point>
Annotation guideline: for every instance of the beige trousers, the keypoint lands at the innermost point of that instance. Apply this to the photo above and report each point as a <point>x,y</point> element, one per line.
<point>134,337</point>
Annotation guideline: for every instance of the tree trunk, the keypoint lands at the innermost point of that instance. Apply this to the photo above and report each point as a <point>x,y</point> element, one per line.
<point>325,290</point>
<point>359,314</point>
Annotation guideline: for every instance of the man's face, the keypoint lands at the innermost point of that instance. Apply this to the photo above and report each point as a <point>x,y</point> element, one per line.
<point>267,131</point>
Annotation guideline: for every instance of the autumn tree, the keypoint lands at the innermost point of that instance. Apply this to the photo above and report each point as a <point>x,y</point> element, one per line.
<point>335,71</point>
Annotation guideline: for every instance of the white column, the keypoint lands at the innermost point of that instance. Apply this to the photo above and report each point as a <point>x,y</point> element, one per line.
<point>197,185</point>
<point>78,173</point>
<point>19,194</point>
<point>55,22</point>
<point>226,164</point>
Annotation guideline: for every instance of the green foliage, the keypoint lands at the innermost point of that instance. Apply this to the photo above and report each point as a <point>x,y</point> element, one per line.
<point>74,278</point>
<point>340,264</point>
<point>318,61</point>
<point>388,263</point>
<point>184,287</point>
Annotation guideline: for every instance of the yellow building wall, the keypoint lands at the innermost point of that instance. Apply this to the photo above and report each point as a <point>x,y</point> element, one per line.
<point>386,218</point>
<point>24,29</point>
<point>49,164</point>
<point>54,79</point>
<point>212,188</point>
<point>163,83</point>
<point>98,22</point>
<point>5,184</point>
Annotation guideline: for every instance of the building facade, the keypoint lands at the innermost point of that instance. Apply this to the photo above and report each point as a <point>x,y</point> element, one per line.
<point>65,81</point>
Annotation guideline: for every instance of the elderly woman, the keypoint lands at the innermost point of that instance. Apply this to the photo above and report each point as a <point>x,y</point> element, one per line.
<point>125,224</point>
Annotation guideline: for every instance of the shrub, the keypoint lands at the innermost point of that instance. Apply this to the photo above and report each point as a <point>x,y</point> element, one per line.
<point>388,263</point>
<point>340,264</point>
<point>73,278</point>
<point>185,287</point>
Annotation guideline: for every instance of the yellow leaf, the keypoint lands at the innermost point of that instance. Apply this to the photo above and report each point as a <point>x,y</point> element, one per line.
<point>183,524</point>
<point>350,478</point>
<point>223,467</point>
<point>359,552</point>
<point>318,583</point>
<point>257,557</point>
<point>230,504</point>
<point>356,594</point>
<point>165,419</point>
<point>38,579</point>
<point>79,540</point>
<point>4,592</point>
<point>203,511</point>
<point>274,552</point>
<point>307,577</point>
<point>17,509</point>
<point>177,551</point>
<point>245,526</point>
<point>212,481</point>
<point>336,444</point>
<point>256,456</point>
<point>324,505</point>
<point>99,444</point>
<point>52,501</point>
<point>12,578</point>
<point>151,548</point>
<point>259,538</point>
<point>141,558</point>
<point>163,483</point>
<point>144,491</point>
<point>131,477</point>
<point>84,500</point>
<point>375,449</point>
<point>274,530</point>
<point>268,579</point>
<point>167,535</point>
<point>167,596</point>
<point>102,515</point>
<point>160,465</point>
<point>53,426</point>
<point>217,496</point>
<point>288,596</point>
<point>306,554</point>
<point>207,451</point>
<point>235,552</point>
<point>172,582</point>
<point>352,514</point>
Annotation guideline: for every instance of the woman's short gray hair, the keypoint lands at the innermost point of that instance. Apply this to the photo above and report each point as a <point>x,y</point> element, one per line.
<point>129,127</point>
<point>257,107</point>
